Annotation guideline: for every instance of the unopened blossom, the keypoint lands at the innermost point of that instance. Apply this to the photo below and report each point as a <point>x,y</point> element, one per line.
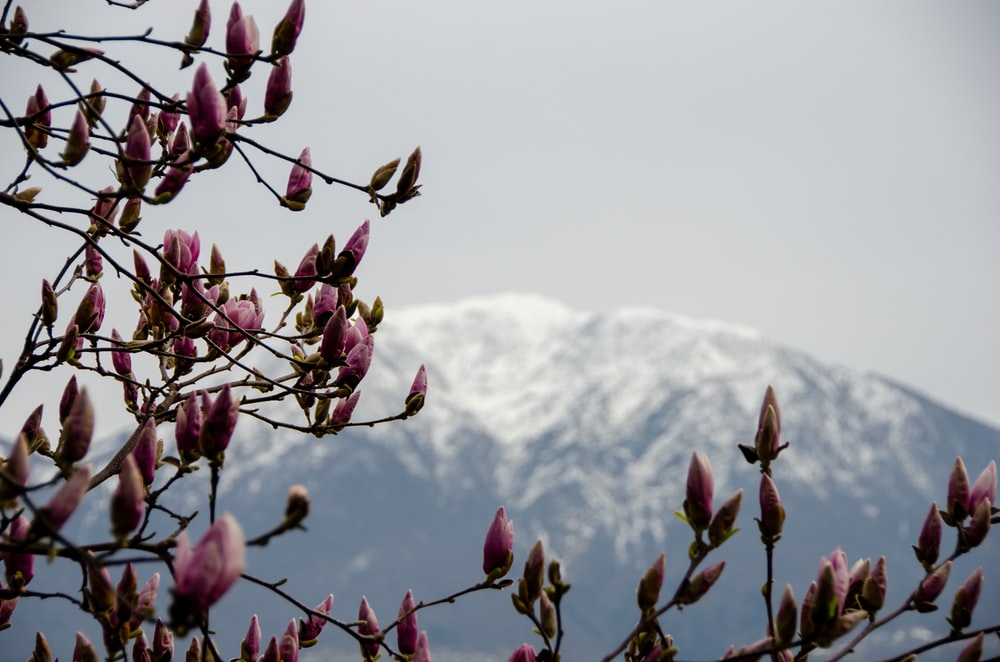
<point>129,219</point>
<point>768,439</point>
<point>965,600</point>
<point>784,619</point>
<point>168,119</point>
<point>355,248</point>
<point>140,649</point>
<point>418,392</point>
<point>128,500</point>
<point>78,429</point>
<point>187,429</point>
<point>932,585</point>
<point>84,651</point>
<point>32,427</point>
<point>650,584</point>
<point>358,359</point>
<point>206,108</point>
<point>959,492</point>
<point>369,627</point>
<point>171,183</point>
<point>145,603</point>
<point>18,568</point>
<point>50,305</point>
<point>137,166</point>
<point>325,303</point>
<point>985,487</point>
<point>306,272</point>
<point>286,32</point>
<point>310,628</point>
<point>278,94</point>
<point>701,583</point>
<point>271,653</point>
<point>534,573</point>
<point>772,514</point>
<point>406,630</point>
<point>299,188</point>
<point>873,590</point>
<point>242,41</point>
<point>99,586</point>
<point>7,606</point>
<point>498,548</point>
<point>218,422</point>
<point>980,524</point>
<point>180,146</point>
<point>65,501</point>
<point>77,141</point>
<point>524,653</point>
<point>723,522</point>
<point>423,651</point>
<point>203,574</point>
<point>250,646</point>
<point>700,489</point>
<point>200,27</point>
<point>288,646</point>
<point>973,652</point>
<point>929,541</point>
<point>341,414</point>
<point>90,313</point>
<point>235,100</point>
<point>334,338</point>
<point>16,470</point>
<point>121,359</point>
<point>39,109</point>
<point>92,105</point>
<point>18,25</point>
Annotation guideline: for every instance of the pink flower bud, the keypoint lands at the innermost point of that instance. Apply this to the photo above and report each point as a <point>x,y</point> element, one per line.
<point>181,250</point>
<point>973,652</point>
<point>310,629</point>
<point>218,424</point>
<point>206,108</point>
<point>137,166</point>
<point>200,27</point>
<point>334,337</point>
<point>932,585</point>
<point>980,524</point>
<point>288,647</point>
<point>242,42</point>
<point>701,583</point>
<point>958,491</point>
<point>90,313</point>
<point>78,429</point>
<point>278,94</point>
<point>203,575</point>
<point>286,32</point>
<point>784,620</point>
<point>355,249</point>
<point>299,187</point>
<point>723,523</point>
<point>307,270</point>
<point>18,25</point>
<point>700,488</point>
<point>171,183</point>
<point>130,215</point>
<point>77,141</point>
<point>50,305</point>
<point>359,359</point>
<point>423,651</point>
<point>250,646</point>
<point>966,598</point>
<point>985,487</point>
<point>498,554</point>
<point>873,590</point>
<point>93,262</point>
<point>16,470</point>
<point>127,502</point>
<point>369,627</point>
<point>7,607</point>
<point>341,414</point>
<point>534,572</point>
<point>39,111</point>
<point>406,631</point>
<point>84,651</point>
<point>187,429</point>
<point>325,303</point>
<point>524,653</point>
<point>145,451</point>
<point>144,606</point>
<point>772,514</point>
<point>648,592</point>
<point>18,567</point>
<point>929,541</point>
<point>418,392</point>
<point>180,146</point>
<point>167,121</point>
<point>65,501</point>
<point>120,358</point>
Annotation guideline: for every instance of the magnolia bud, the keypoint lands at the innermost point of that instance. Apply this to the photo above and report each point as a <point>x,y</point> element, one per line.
<point>700,488</point>
<point>127,502</point>
<point>406,631</point>
<point>368,628</point>
<point>722,525</point>
<point>648,592</point>
<point>498,553</point>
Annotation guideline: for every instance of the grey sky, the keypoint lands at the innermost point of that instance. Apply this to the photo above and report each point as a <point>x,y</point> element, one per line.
<point>828,173</point>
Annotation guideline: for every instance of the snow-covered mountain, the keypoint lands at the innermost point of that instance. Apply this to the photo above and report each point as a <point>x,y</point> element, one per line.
<point>583,425</point>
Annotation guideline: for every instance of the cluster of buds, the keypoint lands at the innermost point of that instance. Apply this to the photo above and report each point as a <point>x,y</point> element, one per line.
<point>122,609</point>
<point>406,186</point>
<point>975,501</point>
<point>531,589</point>
<point>838,599</point>
<point>698,506</point>
<point>204,427</point>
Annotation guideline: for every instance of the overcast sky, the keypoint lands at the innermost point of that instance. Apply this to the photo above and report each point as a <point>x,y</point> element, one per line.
<point>828,173</point>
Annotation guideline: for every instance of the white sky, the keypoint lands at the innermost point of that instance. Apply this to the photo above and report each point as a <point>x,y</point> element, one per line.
<point>828,173</point>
